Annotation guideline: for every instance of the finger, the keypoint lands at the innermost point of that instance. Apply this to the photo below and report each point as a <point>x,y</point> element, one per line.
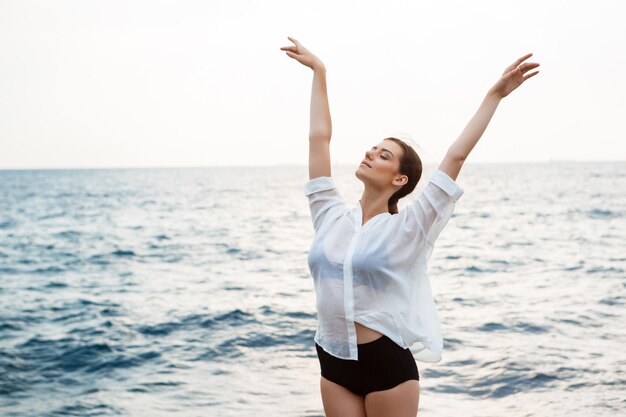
<point>524,68</point>
<point>528,66</point>
<point>518,61</point>
<point>530,75</point>
<point>289,48</point>
<point>522,59</point>
<point>293,54</point>
<point>294,40</point>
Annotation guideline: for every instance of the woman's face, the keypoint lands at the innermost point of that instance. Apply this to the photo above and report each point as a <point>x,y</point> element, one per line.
<point>380,165</point>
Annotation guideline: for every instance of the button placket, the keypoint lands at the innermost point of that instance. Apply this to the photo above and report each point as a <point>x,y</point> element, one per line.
<point>348,292</point>
<point>348,277</point>
<point>348,288</point>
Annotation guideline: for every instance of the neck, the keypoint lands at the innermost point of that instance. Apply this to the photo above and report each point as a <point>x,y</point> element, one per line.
<point>373,204</point>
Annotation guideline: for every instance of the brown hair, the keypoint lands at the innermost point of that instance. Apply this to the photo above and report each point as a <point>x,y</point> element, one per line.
<point>411,166</point>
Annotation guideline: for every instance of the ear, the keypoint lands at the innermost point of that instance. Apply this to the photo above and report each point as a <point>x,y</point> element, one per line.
<point>400,180</point>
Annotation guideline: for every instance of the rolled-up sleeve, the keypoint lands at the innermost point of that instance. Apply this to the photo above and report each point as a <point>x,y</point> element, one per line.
<point>325,201</point>
<point>429,213</point>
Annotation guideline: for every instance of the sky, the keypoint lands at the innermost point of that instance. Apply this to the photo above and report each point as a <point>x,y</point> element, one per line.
<point>103,84</point>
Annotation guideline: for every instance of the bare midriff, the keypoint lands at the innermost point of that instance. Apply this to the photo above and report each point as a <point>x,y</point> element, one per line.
<point>365,334</point>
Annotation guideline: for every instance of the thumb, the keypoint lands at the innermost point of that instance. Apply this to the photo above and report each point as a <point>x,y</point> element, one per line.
<point>293,40</point>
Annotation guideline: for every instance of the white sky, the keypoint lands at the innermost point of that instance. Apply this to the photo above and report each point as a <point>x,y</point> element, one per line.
<point>204,83</point>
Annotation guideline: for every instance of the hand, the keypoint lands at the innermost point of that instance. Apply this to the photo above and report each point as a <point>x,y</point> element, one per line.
<point>513,76</point>
<point>302,55</point>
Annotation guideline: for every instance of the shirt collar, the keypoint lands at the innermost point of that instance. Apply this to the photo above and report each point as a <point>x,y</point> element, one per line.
<point>357,217</point>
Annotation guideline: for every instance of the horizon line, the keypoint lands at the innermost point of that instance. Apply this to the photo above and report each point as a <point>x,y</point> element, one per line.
<point>77,168</point>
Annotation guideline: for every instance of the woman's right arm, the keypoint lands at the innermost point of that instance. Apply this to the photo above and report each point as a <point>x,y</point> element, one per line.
<point>320,128</point>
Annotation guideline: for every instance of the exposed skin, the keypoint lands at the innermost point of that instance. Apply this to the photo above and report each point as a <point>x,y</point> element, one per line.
<point>379,172</point>
<point>377,191</point>
<point>382,179</point>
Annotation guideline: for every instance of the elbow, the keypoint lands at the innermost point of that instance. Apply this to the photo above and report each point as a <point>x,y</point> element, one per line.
<point>456,152</point>
<point>452,164</point>
<point>319,137</point>
<point>456,156</point>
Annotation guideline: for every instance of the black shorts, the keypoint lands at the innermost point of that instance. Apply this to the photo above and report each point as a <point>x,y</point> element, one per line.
<point>382,365</point>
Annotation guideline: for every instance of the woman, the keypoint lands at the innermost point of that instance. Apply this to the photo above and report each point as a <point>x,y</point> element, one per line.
<point>376,313</point>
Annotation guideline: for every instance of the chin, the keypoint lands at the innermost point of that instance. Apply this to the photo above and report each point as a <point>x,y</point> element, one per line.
<point>358,173</point>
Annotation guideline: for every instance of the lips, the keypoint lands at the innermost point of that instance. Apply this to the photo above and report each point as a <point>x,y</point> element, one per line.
<point>366,164</point>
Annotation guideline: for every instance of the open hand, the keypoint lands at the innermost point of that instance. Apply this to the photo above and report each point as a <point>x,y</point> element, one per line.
<point>513,76</point>
<point>302,55</point>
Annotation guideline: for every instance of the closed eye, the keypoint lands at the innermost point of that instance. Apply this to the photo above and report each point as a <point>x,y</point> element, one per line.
<point>384,150</point>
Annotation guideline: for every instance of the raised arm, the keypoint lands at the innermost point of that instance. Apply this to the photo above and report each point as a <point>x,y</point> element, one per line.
<point>512,78</point>
<point>320,129</point>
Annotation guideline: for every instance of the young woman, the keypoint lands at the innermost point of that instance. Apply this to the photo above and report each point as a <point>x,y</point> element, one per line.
<point>376,313</point>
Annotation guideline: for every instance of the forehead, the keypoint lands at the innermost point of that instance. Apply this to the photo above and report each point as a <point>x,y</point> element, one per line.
<point>391,145</point>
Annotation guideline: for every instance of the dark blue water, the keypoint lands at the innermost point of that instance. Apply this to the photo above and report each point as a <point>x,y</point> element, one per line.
<point>186,292</point>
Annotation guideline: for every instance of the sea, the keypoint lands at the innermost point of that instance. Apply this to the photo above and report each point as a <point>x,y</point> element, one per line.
<point>186,292</point>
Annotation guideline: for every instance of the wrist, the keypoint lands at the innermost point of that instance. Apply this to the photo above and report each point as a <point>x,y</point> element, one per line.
<point>493,94</point>
<point>318,66</point>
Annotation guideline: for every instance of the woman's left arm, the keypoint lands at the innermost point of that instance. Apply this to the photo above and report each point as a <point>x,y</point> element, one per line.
<point>514,75</point>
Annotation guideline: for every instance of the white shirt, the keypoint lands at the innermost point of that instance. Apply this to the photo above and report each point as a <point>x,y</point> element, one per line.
<point>376,274</point>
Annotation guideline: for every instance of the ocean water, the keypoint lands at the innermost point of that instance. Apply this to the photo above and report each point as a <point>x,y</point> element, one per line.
<point>185,292</point>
